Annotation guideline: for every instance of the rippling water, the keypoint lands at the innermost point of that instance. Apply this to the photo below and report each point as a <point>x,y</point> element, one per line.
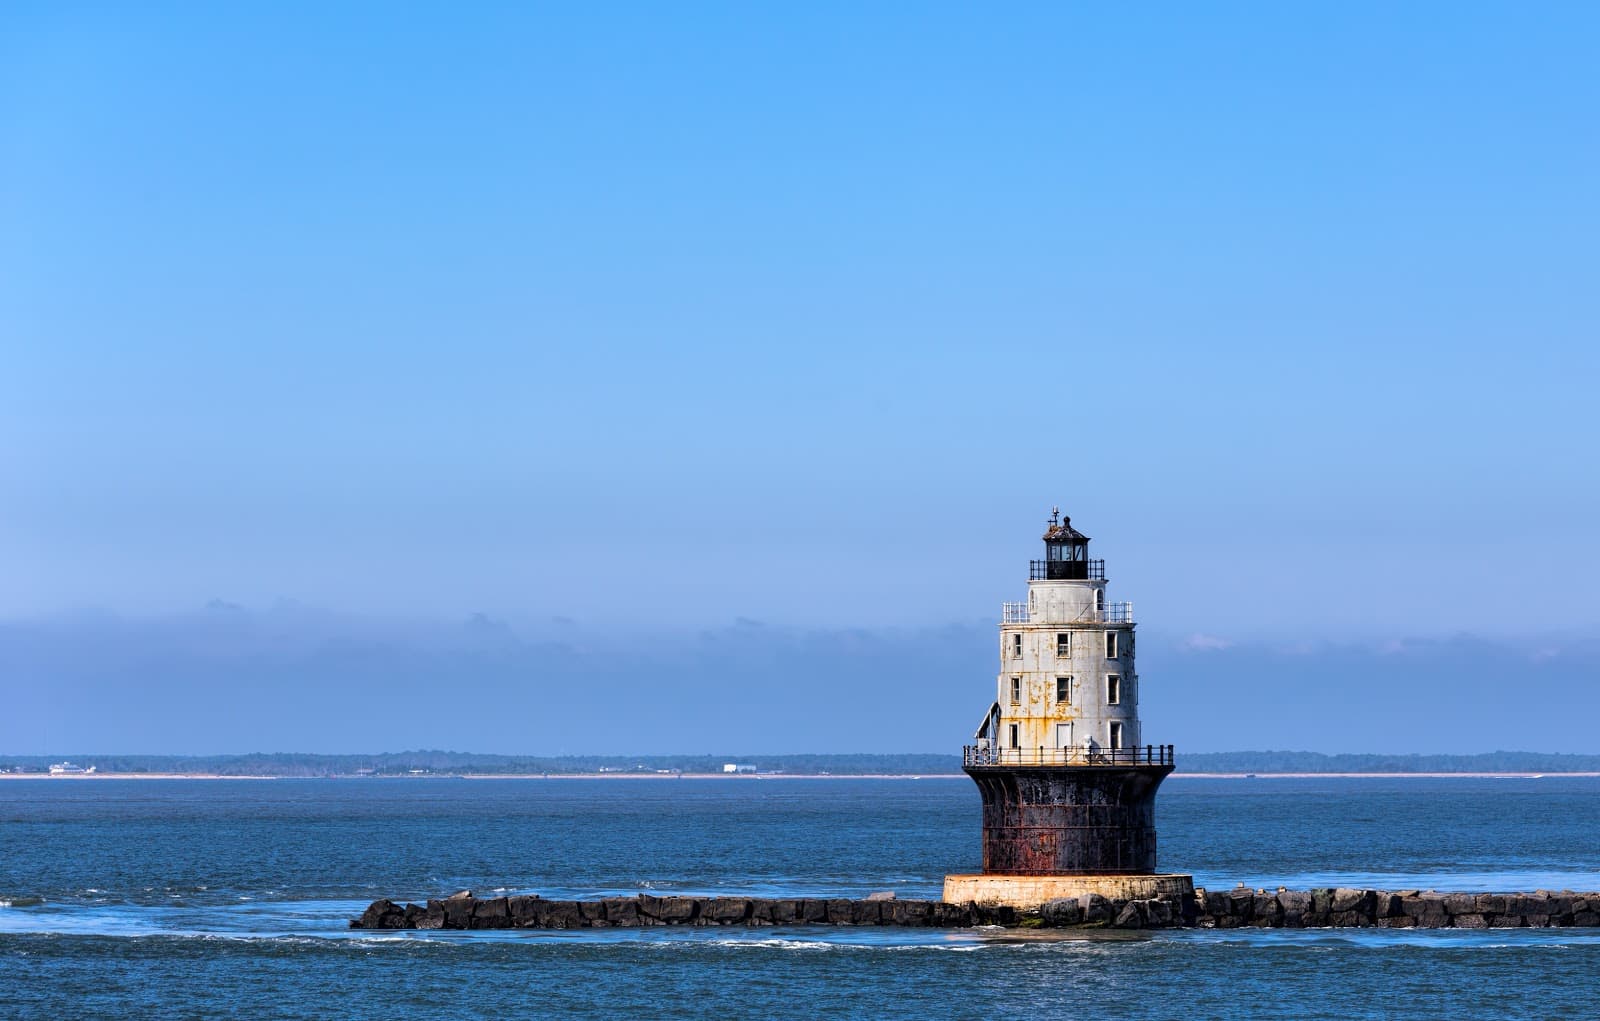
<point>147,897</point>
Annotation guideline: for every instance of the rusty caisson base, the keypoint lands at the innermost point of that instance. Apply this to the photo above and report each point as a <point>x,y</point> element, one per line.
<point>1057,832</point>
<point>1069,820</point>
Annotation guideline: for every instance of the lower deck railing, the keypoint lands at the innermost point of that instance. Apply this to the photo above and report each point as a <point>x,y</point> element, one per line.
<point>1078,755</point>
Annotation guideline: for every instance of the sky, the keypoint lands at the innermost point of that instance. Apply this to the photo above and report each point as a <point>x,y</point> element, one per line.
<point>611,327</point>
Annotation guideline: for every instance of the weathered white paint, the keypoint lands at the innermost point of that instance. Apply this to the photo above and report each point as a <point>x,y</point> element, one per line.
<point>1029,651</point>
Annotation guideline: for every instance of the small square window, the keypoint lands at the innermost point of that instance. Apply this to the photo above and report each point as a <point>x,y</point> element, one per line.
<point>1064,690</point>
<point>1063,645</point>
<point>1111,645</point>
<point>1113,689</point>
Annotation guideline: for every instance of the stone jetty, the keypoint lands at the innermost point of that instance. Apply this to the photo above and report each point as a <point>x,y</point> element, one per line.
<point>1224,909</point>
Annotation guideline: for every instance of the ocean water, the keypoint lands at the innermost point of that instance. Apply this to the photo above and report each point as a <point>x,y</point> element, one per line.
<point>174,898</point>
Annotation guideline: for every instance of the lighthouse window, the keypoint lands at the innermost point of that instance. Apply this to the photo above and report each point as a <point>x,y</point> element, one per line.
<point>1014,743</point>
<point>1016,690</point>
<point>1063,690</point>
<point>1111,645</point>
<point>1063,645</point>
<point>1116,735</point>
<point>1016,646</point>
<point>1113,689</point>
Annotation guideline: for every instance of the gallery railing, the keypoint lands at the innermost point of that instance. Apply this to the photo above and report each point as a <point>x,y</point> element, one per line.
<point>1078,755</point>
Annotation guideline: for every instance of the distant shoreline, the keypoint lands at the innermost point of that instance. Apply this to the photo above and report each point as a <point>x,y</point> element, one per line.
<point>1503,775</point>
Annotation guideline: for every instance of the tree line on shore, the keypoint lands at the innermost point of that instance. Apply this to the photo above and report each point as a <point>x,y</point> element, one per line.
<point>290,764</point>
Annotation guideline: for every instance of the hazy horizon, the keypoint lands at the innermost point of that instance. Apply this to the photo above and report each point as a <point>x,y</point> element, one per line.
<point>293,678</point>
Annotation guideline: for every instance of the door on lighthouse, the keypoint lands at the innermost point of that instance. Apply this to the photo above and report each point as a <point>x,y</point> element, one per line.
<point>1063,735</point>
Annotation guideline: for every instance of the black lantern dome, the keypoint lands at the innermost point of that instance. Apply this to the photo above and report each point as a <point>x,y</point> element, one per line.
<point>1066,550</point>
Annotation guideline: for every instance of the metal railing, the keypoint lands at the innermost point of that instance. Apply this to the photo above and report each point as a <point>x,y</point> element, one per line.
<point>1117,613</point>
<point>1078,755</point>
<point>1113,613</point>
<point>1066,570</point>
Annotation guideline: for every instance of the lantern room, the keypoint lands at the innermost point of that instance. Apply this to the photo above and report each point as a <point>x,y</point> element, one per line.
<point>1066,552</point>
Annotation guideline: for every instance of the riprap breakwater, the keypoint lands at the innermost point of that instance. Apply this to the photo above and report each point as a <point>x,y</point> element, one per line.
<point>1222,909</point>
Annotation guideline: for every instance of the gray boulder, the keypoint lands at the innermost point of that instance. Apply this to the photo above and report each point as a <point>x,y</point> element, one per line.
<point>1062,912</point>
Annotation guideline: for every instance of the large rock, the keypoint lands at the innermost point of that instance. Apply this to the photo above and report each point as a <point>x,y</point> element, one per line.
<point>725,910</point>
<point>907,912</point>
<point>524,911</point>
<point>622,911</point>
<point>1240,904</point>
<point>669,910</point>
<point>1321,905</point>
<point>1427,909</point>
<point>1097,910</point>
<point>381,914</point>
<point>1135,914</point>
<point>954,916</point>
<point>432,915</point>
<point>494,913</point>
<point>560,914</point>
<point>866,912</point>
<point>1294,906</point>
<point>995,914</point>
<point>1265,911</point>
<point>1461,904</point>
<point>780,912</point>
<point>1062,912</point>
<point>458,912</point>
<point>1160,914</point>
<point>1359,901</point>
<point>1527,904</point>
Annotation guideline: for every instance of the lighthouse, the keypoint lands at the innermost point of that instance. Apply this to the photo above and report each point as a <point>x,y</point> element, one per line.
<point>1067,780</point>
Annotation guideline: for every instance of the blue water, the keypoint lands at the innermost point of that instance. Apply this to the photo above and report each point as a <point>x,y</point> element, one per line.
<point>146,898</point>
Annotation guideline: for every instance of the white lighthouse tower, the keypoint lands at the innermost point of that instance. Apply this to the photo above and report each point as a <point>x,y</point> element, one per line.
<point>1067,689</point>
<point>1068,788</point>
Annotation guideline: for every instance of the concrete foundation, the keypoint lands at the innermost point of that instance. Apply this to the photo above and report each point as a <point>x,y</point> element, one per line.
<point>1026,893</point>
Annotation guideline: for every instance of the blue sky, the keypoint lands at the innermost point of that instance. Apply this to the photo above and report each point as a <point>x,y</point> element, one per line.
<point>676,316</point>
